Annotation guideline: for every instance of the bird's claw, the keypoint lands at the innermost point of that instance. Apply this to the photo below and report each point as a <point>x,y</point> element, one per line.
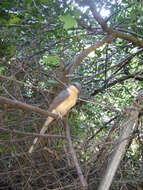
<point>60,116</point>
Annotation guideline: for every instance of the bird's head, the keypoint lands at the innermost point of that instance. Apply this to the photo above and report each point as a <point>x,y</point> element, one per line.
<point>77,85</point>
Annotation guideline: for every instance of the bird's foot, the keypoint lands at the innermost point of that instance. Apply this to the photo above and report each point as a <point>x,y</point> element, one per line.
<point>60,116</point>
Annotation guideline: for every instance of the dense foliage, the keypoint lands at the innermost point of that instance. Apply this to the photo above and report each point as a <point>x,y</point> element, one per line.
<point>47,43</point>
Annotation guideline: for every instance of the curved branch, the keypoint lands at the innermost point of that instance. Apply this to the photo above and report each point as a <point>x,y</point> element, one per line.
<point>128,37</point>
<point>79,58</point>
<point>135,40</point>
<point>112,34</point>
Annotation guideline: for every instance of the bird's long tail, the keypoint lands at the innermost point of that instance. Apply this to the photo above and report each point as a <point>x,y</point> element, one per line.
<point>43,130</point>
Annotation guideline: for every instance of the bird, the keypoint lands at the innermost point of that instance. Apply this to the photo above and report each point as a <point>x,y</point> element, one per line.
<point>60,105</point>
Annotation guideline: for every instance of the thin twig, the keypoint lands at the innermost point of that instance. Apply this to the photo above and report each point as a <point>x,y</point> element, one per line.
<point>31,134</point>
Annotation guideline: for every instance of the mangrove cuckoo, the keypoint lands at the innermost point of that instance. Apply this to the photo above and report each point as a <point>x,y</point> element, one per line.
<point>61,104</point>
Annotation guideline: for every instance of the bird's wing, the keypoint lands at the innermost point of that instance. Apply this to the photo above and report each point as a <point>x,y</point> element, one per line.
<point>59,99</point>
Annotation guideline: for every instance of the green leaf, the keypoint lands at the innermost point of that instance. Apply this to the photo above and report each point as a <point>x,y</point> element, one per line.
<point>133,16</point>
<point>14,20</point>
<point>6,4</point>
<point>52,81</point>
<point>69,21</point>
<point>51,60</point>
<point>1,70</point>
<point>3,150</point>
<point>44,1</point>
<point>76,13</point>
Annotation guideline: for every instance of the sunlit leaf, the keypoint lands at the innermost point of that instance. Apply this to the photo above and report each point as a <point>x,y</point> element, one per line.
<point>51,59</point>
<point>14,20</point>
<point>69,21</point>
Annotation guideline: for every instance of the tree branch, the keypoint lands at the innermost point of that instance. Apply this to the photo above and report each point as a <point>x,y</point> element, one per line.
<point>26,107</point>
<point>79,58</point>
<point>128,128</point>
<point>128,37</point>
<point>109,30</point>
<point>98,18</point>
<point>73,154</point>
<point>31,134</point>
<point>119,80</point>
<point>112,34</point>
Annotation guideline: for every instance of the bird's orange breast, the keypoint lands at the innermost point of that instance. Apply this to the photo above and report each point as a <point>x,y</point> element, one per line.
<point>69,102</point>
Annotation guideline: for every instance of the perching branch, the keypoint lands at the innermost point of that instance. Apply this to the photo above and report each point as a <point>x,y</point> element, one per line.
<point>8,103</point>
<point>73,154</point>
